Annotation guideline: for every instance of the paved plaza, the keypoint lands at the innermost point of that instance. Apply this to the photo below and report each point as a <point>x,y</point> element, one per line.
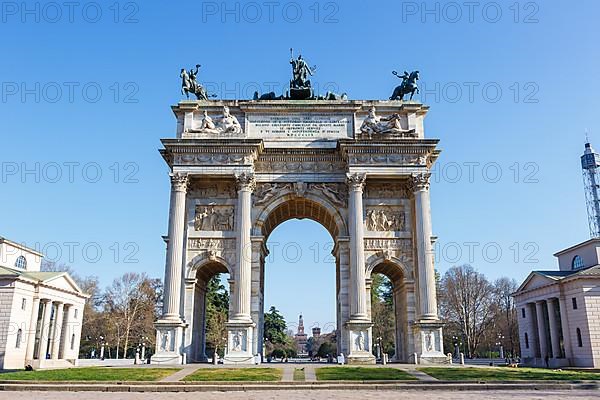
<point>313,395</point>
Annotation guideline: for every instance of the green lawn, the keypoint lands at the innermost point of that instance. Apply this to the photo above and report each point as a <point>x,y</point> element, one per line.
<point>505,374</point>
<point>91,374</point>
<point>235,374</point>
<point>361,374</point>
<point>299,374</point>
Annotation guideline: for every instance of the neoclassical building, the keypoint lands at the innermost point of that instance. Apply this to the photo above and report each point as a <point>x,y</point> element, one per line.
<point>40,312</point>
<point>559,311</point>
<point>241,168</point>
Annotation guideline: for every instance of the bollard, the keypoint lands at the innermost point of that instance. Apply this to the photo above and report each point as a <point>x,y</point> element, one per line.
<point>416,359</point>
<point>384,359</point>
<point>462,358</point>
<point>449,358</point>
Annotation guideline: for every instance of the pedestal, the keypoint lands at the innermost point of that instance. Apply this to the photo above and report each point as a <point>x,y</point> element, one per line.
<point>360,342</point>
<point>169,334</point>
<point>429,345</point>
<point>239,343</point>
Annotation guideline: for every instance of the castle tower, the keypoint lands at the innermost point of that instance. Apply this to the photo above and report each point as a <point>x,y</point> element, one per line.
<point>590,162</point>
<point>301,338</point>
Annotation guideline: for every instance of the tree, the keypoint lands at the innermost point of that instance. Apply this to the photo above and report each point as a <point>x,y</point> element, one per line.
<point>467,301</point>
<point>131,303</point>
<point>275,326</point>
<point>217,308</point>
<point>506,320</point>
<point>382,312</point>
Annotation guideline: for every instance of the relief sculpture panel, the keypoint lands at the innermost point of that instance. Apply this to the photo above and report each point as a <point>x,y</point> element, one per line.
<point>214,218</point>
<point>385,219</point>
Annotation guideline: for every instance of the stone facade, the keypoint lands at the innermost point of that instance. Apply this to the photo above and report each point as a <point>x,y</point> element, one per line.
<point>41,312</point>
<point>299,159</point>
<point>559,311</point>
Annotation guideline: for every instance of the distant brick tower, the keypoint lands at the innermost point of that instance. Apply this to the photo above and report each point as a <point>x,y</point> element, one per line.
<point>301,338</point>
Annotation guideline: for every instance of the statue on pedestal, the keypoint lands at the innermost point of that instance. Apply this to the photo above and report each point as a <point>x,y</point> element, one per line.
<point>300,87</point>
<point>408,85</point>
<point>189,84</point>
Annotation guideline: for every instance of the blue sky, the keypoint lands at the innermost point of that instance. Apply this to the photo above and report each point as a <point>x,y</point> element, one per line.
<point>122,61</point>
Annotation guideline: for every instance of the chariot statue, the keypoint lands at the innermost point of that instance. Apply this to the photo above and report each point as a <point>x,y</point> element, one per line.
<point>300,87</point>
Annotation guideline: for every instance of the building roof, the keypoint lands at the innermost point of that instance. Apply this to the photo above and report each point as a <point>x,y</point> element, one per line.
<point>578,245</point>
<point>20,246</point>
<point>40,276</point>
<point>556,275</point>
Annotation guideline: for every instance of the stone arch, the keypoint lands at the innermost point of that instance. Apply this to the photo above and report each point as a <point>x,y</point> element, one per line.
<point>207,264</point>
<point>281,209</point>
<point>401,277</point>
<point>200,270</point>
<point>290,206</point>
<point>388,265</point>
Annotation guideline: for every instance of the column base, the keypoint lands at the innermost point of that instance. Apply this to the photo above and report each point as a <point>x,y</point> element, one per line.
<point>169,339</point>
<point>360,342</point>
<point>429,345</point>
<point>239,343</point>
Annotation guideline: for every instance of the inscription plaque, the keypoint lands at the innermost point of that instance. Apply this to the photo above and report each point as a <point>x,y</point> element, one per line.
<point>299,126</point>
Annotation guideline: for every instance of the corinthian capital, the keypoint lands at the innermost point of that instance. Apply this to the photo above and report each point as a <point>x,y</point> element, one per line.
<point>419,181</point>
<point>356,181</point>
<point>179,181</point>
<point>245,181</point>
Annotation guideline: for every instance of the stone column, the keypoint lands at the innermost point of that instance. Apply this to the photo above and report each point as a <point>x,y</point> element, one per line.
<point>243,286</point>
<point>67,331</point>
<point>426,272</point>
<point>32,329</point>
<point>174,265</point>
<point>190,314</point>
<point>564,319</point>
<point>554,329</point>
<point>358,304</point>
<point>541,325</point>
<point>58,321</point>
<point>45,329</point>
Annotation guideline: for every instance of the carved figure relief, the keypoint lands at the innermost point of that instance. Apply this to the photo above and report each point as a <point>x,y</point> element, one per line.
<point>236,341</point>
<point>227,124</point>
<point>429,341</point>
<point>334,192</point>
<point>211,244</point>
<point>385,220</point>
<point>165,341</point>
<point>216,190</point>
<point>375,125</point>
<point>384,243</point>
<point>386,190</point>
<point>267,191</point>
<point>214,218</point>
<point>360,342</point>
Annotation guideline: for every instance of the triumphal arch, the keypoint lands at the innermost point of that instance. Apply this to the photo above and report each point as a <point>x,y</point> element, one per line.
<point>241,168</point>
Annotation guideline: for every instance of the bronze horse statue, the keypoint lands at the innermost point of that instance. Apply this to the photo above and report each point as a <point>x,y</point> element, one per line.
<point>408,85</point>
<point>189,84</point>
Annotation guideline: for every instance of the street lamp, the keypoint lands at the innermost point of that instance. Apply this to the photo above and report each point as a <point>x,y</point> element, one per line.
<point>101,347</point>
<point>500,343</point>
<point>455,341</point>
<point>379,351</point>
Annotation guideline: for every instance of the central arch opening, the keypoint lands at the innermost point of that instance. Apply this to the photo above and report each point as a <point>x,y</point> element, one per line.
<point>300,280</point>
